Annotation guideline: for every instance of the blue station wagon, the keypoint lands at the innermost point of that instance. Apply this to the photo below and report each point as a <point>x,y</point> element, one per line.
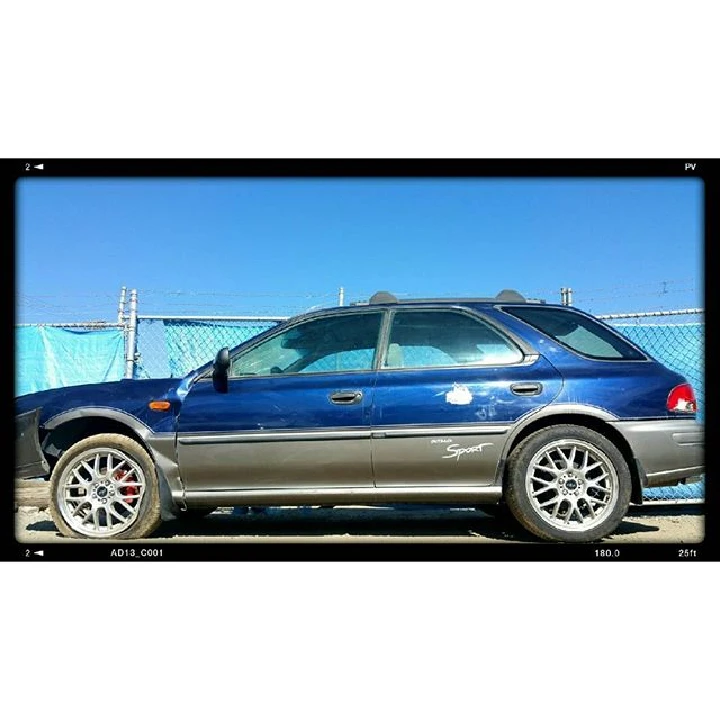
<point>538,409</point>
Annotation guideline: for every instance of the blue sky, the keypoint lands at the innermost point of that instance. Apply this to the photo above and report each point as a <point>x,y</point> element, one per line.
<point>255,246</point>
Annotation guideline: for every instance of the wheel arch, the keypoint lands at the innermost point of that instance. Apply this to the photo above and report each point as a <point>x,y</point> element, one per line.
<point>62,431</point>
<point>589,417</point>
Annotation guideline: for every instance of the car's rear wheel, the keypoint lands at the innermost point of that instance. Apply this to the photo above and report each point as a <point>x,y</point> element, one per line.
<point>105,486</point>
<point>568,483</point>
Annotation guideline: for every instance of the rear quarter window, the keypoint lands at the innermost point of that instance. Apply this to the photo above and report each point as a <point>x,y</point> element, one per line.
<point>580,333</point>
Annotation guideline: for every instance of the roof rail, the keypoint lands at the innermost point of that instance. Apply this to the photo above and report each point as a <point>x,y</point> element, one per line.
<point>383,297</point>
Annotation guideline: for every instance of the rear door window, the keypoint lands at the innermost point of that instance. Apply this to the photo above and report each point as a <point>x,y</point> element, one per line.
<point>578,332</point>
<point>446,338</point>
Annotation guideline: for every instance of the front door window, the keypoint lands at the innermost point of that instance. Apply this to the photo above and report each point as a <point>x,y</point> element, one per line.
<point>339,343</point>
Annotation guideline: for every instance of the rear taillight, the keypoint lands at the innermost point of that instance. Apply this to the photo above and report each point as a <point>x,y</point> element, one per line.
<point>682,399</point>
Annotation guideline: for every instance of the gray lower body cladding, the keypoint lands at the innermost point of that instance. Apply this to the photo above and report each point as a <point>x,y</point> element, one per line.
<point>668,451</point>
<point>403,457</point>
<point>313,468</point>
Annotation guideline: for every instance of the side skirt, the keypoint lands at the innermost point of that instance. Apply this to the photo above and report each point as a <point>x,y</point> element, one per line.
<point>344,496</point>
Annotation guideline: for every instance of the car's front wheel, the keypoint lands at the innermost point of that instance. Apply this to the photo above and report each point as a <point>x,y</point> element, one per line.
<point>105,486</point>
<point>568,483</point>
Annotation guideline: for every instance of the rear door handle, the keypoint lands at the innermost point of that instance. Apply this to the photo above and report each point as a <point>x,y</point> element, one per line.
<point>526,388</point>
<point>350,397</point>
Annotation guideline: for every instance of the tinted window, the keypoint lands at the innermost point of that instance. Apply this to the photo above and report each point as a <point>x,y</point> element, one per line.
<point>578,332</point>
<point>441,338</point>
<point>332,344</point>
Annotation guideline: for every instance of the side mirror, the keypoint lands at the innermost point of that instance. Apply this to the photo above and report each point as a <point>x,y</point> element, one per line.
<point>220,368</point>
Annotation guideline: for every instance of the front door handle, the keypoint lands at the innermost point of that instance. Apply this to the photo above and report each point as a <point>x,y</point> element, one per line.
<point>349,397</point>
<point>526,388</point>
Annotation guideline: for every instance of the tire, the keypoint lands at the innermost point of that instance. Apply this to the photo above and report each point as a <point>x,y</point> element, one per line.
<point>567,495</point>
<point>87,501</point>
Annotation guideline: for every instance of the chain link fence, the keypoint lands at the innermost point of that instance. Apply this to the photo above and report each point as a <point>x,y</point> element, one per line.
<point>676,338</point>
<point>172,347</point>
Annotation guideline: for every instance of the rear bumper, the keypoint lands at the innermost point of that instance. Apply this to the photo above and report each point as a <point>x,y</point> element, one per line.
<point>668,451</point>
<point>29,459</point>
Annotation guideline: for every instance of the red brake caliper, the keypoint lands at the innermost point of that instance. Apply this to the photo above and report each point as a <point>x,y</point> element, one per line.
<point>129,490</point>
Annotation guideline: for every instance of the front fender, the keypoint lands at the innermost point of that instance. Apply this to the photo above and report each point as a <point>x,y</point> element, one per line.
<point>92,412</point>
<point>161,447</point>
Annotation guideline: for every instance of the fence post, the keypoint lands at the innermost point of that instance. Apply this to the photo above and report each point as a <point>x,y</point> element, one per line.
<point>131,343</point>
<point>121,307</point>
<point>341,297</point>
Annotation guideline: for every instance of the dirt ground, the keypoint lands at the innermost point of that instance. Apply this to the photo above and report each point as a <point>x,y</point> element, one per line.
<point>646,524</point>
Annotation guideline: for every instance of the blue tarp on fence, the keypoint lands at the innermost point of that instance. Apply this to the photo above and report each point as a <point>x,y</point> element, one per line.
<point>51,357</point>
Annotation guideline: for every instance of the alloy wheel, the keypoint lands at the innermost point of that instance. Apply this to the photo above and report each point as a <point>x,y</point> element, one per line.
<point>100,493</point>
<point>572,485</point>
